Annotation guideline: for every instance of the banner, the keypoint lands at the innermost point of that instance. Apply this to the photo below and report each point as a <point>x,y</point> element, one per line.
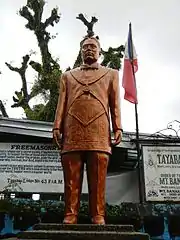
<point>161,173</point>
<point>31,167</point>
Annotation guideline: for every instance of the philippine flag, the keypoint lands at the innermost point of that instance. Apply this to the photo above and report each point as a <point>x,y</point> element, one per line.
<point>130,68</point>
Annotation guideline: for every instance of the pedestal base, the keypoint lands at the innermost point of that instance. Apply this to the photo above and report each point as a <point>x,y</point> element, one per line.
<point>83,232</point>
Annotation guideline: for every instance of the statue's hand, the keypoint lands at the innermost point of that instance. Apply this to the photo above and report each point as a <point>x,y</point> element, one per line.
<point>57,137</point>
<point>117,137</point>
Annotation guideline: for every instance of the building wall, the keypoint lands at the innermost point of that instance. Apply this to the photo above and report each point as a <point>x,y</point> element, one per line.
<point>122,187</point>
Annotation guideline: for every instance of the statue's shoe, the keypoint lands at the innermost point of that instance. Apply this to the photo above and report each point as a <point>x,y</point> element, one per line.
<point>71,219</point>
<point>98,220</point>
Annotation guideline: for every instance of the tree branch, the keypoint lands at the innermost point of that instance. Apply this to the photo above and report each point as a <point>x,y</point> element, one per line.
<point>24,12</point>
<point>36,66</point>
<point>22,98</point>
<point>89,25</point>
<point>53,18</point>
<point>37,6</point>
<point>3,109</point>
<point>15,69</point>
<point>35,23</point>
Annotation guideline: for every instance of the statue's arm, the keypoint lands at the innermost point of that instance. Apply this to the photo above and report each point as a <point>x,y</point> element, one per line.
<point>58,122</point>
<point>114,102</point>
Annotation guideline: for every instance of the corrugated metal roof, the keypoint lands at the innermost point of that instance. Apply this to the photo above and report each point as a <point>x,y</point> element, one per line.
<point>26,127</point>
<point>44,129</point>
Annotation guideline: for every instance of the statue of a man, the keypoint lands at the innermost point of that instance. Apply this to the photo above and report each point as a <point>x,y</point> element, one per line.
<point>88,96</point>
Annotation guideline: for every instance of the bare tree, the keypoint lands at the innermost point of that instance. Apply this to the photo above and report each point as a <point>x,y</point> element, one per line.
<point>48,70</point>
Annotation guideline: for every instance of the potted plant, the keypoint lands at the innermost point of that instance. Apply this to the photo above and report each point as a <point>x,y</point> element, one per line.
<point>83,217</point>
<point>24,214</point>
<point>173,220</point>
<point>52,212</point>
<point>125,214</point>
<point>130,214</point>
<point>5,207</point>
<point>112,214</point>
<point>154,222</point>
<point>23,220</point>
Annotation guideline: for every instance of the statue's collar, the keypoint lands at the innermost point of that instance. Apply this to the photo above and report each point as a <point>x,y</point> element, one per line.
<point>89,77</point>
<point>91,66</point>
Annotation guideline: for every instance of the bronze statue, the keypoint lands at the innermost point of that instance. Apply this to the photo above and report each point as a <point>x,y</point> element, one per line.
<point>87,93</point>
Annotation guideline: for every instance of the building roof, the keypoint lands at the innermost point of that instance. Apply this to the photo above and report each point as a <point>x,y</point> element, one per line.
<point>44,130</point>
<point>26,127</point>
<point>39,129</point>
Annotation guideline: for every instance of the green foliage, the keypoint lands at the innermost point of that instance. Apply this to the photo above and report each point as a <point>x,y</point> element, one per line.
<point>5,206</point>
<point>47,85</point>
<point>112,57</point>
<point>13,206</point>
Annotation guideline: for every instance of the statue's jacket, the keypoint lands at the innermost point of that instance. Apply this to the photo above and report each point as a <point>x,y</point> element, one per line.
<point>87,99</point>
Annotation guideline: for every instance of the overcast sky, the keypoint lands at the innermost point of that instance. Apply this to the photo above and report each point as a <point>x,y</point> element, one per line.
<point>156,37</point>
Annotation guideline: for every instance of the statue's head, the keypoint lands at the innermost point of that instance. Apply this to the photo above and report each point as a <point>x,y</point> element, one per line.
<point>90,50</point>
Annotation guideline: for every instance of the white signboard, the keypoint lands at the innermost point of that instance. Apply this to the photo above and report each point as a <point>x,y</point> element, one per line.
<point>162,173</point>
<point>32,168</point>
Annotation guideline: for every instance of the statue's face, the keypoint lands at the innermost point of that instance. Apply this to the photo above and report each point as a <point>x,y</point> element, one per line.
<point>90,51</point>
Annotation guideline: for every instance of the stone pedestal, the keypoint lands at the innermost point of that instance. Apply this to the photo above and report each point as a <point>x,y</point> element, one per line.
<point>83,232</point>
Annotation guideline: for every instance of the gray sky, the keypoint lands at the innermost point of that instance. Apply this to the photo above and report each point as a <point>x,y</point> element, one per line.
<point>156,38</point>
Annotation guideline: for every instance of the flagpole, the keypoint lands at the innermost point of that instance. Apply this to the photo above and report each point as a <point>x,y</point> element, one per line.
<point>137,125</point>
